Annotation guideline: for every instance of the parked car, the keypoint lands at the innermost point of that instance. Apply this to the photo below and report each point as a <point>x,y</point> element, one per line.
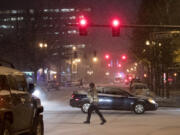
<point>20,112</point>
<point>114,98</point>
<point>141,89</point>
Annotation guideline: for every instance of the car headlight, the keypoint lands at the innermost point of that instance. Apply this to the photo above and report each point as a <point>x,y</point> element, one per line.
<point>151,101</point>
<point>36,93</point>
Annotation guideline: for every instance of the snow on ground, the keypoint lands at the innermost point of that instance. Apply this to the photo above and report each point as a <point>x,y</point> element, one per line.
<point>61,119</point>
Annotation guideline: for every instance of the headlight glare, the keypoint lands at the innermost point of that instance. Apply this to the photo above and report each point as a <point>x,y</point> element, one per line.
<point>151,101</point>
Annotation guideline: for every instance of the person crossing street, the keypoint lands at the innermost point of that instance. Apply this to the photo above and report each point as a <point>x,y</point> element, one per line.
<point>93,99</point>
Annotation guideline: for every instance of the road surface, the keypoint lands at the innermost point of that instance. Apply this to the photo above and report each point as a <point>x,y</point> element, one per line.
<point>61,119</point>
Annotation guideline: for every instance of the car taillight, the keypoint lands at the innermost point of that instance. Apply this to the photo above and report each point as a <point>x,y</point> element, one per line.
<point>72,96</point>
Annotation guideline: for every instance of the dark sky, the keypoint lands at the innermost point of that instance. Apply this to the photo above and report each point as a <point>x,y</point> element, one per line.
<point>103,10</point>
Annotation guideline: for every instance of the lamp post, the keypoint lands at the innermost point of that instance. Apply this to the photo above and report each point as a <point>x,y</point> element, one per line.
<point>95,59</point>
<point>43,45</point>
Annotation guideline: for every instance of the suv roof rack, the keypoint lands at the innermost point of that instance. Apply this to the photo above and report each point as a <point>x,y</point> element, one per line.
<point>6,63</point>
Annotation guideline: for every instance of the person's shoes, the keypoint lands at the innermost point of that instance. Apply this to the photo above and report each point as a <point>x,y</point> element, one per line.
<point>86,122</point>
<point>103,121</point>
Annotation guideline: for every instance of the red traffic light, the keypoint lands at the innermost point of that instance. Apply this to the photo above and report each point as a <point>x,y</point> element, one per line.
<point>123,57</point>
<point>107,56</point>
<point>83,22</point>
<point>115,23</point>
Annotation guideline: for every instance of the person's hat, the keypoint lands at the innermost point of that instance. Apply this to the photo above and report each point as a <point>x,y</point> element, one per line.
<point>92,85</point>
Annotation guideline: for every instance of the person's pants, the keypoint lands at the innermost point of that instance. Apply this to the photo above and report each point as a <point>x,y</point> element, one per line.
<point>94,108</point>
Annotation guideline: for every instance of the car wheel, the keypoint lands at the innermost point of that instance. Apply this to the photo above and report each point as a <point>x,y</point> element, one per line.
<point>85,107</point>
<point>38,126</point>
<point>6,128</point>
<point>139,108</point>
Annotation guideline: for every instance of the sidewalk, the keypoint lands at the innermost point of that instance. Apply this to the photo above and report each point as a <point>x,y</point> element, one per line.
<point>168,102</point>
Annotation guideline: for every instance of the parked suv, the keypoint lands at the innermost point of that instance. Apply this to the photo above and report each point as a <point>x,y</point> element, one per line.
<point>20,112</point>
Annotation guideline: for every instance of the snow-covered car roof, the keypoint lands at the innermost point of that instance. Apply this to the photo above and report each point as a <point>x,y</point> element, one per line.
<point>9,71</point>
<point>83,92</point>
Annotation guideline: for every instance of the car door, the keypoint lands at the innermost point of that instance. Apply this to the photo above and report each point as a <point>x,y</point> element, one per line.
<point>18,107</point>
<point>117,100</point>
<point>26,99</point>
<point>106,100</point>
<point>124,100</point>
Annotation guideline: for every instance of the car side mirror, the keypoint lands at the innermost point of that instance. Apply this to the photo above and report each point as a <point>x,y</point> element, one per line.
<point>31,88</point>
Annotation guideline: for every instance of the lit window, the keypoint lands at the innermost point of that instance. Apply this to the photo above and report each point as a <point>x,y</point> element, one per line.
<point>6,26</point>
<point>5,20</point>
<point>56,33</point>
<point>72,9</point>
<point>13,19</point>
<point>51,10</point>
<point>45,10</point>
<point>3,26</point>
<point>72,17</point>
<point>72,32</point>
<point>31,11</point>
<point>20,18</point>
<point>56,10</point>
<point>67,10</point>
<point>14,11</point>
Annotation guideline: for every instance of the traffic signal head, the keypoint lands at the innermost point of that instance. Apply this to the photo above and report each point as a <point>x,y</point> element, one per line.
<point>115,27</point>
<point>83,24</point>
<point>115,23</point>
<point>123,57</point>
<point>107,56</point>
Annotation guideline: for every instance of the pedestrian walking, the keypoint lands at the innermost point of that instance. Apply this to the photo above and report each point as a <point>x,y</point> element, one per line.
<point>93,98</point>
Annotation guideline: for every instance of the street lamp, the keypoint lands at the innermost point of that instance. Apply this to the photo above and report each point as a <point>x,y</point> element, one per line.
<point>136,64</point>
<point>90,72</point>
<point>78,60</point>
<point>74,48</point>
<point>175,74</point>
<point>147,42</point>
<point>43,45</point>
<point>95,59</point>
<point>160,44</point>
<point>107,73</point>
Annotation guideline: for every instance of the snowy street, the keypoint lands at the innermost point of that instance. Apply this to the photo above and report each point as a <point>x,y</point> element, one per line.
<point>62,119</point>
